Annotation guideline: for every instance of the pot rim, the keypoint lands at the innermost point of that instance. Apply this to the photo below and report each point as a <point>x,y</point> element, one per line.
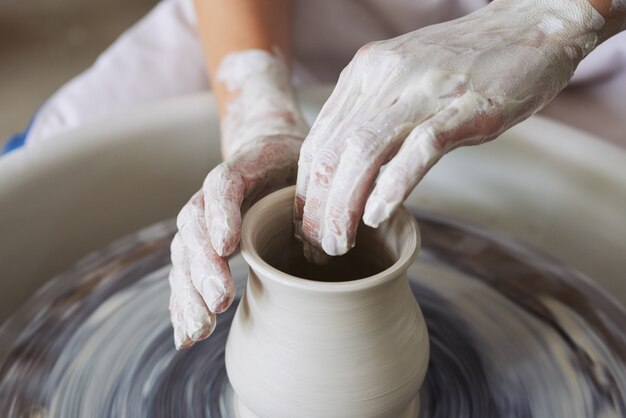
<point>261,267</point>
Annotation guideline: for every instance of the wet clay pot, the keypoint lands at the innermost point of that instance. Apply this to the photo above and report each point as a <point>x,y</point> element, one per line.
<point>334,346</point>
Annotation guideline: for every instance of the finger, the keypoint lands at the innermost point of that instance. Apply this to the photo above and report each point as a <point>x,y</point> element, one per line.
<point>320,179</point>
<point>224,191</point>
<point>420,151</point>
<point>366,150</point>
<point>233,186</point>
<point>311,200</point>
<point>336,109</point>
<point>307,152</point>
<point>271,167</point>
<point>190,317</point>
<point>191,214</point>
<point>181,339</point>
<point>199,321</point>
<point>321,176</point>
<point>211,277</point>
<point>427,143</point>
<point>210,274</point>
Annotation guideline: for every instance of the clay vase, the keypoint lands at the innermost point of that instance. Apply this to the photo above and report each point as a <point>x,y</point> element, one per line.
<point>313,349</point>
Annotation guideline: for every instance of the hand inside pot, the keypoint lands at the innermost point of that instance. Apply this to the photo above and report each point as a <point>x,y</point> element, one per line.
<point>405,102</point>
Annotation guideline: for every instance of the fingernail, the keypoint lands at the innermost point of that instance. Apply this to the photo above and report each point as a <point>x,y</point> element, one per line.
<point>222,304</point>
<point>213,292</point>
<point>215,299</point>
<point>218,238</point>
<point>179,339</point>
<point>335,244</point>
<point>220,299</point>
<point>377,211</point>
<point>222,240</point>
<point>199,324</point>
<point>199,334</point>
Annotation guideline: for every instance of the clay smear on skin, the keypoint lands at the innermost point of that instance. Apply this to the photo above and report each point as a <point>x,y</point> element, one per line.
<point>262,131</point>
<point>391,100</point>
<point>262,135</point>
<point>264,102</point>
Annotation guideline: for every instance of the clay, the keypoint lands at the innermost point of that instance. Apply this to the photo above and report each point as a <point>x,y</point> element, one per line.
<point>264,103</point>
<point>368,258</point>
<point>309,349</point>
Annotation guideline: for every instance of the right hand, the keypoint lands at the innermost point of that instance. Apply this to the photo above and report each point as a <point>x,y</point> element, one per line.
<point>401,104</point>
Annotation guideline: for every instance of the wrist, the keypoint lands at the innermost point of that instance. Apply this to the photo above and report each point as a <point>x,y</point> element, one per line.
<point>569,29</point>
<point>259,101</point>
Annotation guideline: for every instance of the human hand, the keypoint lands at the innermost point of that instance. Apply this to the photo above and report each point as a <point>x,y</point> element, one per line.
<point>407,101</point>
<point>262,134</point>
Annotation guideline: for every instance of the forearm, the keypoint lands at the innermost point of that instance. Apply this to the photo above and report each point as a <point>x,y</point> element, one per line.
<point>227,26</point>
<point>573,28</point>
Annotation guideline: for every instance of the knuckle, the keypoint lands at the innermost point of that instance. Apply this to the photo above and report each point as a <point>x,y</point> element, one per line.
<point>189,216</point>
<point>340,217</point>
<point>369,48</point>
<point>213,178</point>
<point>177,244</point>
<point>309,145</point>
<point>397,175</point>
<point>182,218</point>
<point>324,167</point>
<point>432,133</point>
<point>390,59</point>
<point>378,52</point>
<point>305,150</point>
<point>189,211</point>
<point>362,59</point>
<point>172,280</point>
<point>365,143</point>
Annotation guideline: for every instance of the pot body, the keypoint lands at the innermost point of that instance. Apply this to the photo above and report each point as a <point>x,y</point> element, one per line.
<point>302,348</point>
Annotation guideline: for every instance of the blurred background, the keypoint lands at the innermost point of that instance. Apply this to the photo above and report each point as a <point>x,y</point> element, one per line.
<point>44,43</point>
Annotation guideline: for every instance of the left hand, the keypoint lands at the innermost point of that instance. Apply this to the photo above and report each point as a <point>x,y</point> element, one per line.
<point>407,101</point>
<point>209,228</point>
<point>261,138</point>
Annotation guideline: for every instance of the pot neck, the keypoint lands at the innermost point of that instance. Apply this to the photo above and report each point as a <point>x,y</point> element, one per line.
<point>268,228</point>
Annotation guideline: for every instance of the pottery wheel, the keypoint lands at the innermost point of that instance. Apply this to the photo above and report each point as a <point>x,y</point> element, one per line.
<point>512,334</point>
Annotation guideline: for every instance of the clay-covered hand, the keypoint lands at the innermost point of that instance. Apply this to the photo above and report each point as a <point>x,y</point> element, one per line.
<point>403,103</point>
<point>261,138</point>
